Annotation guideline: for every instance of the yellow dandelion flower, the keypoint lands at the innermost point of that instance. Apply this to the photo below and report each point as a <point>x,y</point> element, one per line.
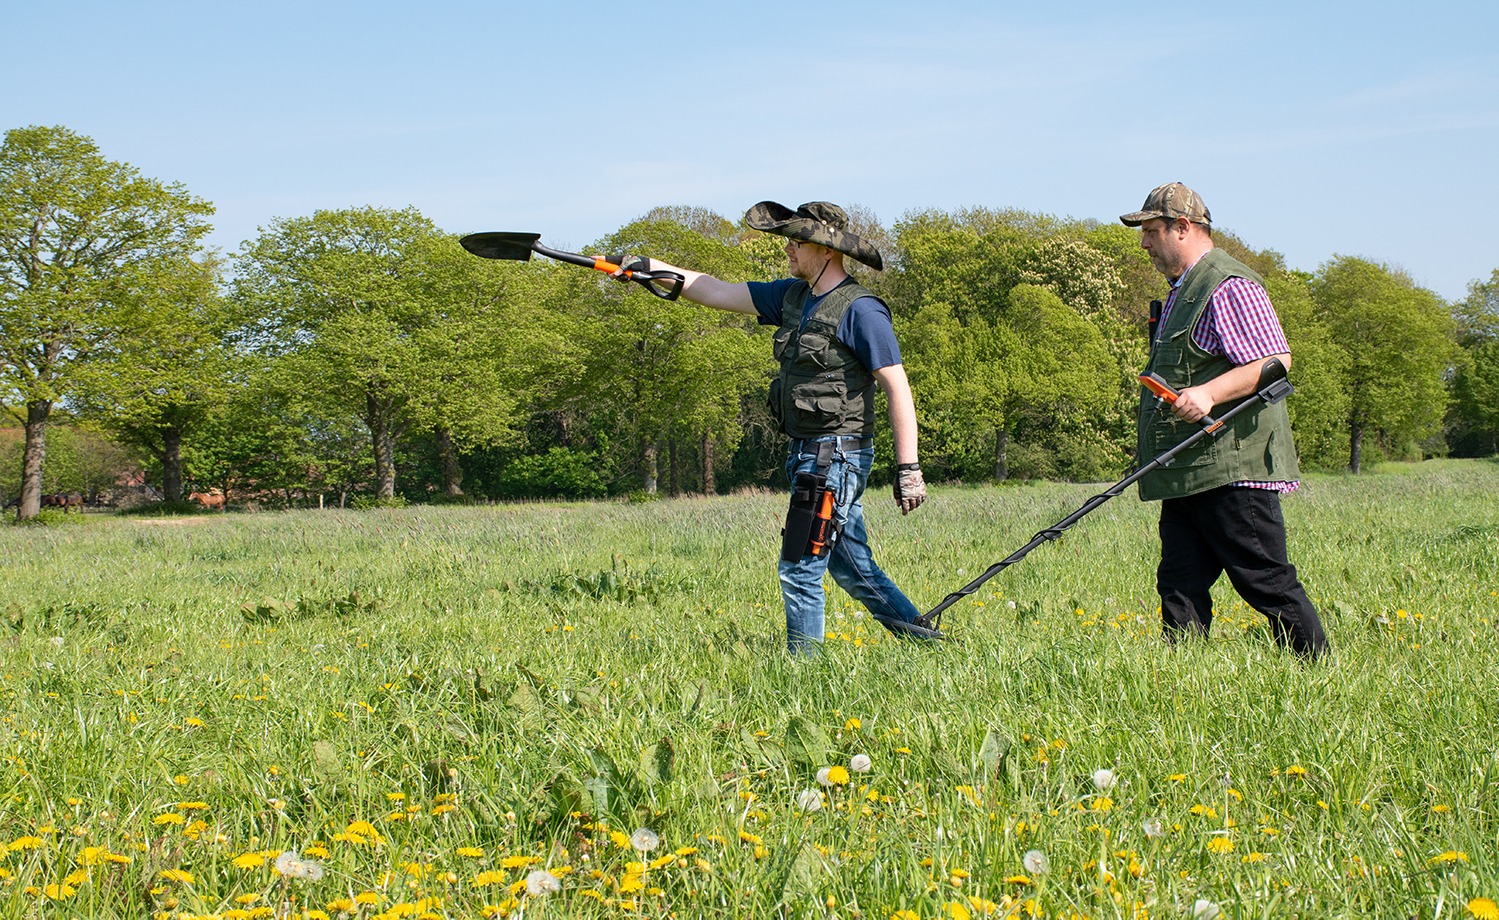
<point>905,915</point>
<point>59,892</point>
<point>1451,856</point>
<point>518,862</point>
<point>470,852</point>
<point>170,817</point>
<point>367,897</point>
<point>1440,809</point>
<point>443,808</point>
<point>490,877</point>
<point>852,725</point>
<point>182,876</point>
<point>1220,845</point>
<point>838,775</point>
<point>630,884</point>
<point>1254,857</point>
<point>1483,909</point>
<point>1295,770</point>
<point>249,861</point>
<point>957,910</point>
<point>29,842</point>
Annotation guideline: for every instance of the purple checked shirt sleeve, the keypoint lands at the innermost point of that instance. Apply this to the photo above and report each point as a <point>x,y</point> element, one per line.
<point>1240,323</point>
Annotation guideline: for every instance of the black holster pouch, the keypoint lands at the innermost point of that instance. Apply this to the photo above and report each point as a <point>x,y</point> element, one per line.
<point>809,521</point>
<point>806,493</point>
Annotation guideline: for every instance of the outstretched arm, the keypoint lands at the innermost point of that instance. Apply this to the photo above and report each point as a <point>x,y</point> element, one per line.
<point>707,290</point>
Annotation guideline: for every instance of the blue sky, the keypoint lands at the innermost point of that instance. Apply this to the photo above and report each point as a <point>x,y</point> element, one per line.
<point>1315,129</point>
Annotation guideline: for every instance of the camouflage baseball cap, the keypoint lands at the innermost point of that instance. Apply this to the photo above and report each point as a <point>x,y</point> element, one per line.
<point>820,222</point>
<point>1171,201</point>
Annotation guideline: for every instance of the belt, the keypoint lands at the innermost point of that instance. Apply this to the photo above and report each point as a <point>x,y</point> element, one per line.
<point>842,442</point>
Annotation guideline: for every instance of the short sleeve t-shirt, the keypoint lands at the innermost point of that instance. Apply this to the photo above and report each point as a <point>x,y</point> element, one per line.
<point>865,329</point>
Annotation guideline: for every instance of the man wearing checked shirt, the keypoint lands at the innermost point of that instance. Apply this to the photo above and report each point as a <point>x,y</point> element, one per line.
<point>1220,500</point>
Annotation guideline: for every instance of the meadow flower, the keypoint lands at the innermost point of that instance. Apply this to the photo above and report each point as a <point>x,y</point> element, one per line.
<point>809,800</point>
<point>1103,779</point>
<point>1035,862</point>
<point>176,875</point>
<point>1483,909</point>
<point>644,840</point>
<point>541,882</point>
<point>832,776</point>
<point>1220,845</point>
<point>1451,856</point>
<point>292,865</point>
<point>1153,827</point>
<point>1204,909</point>
<point>859,763</point>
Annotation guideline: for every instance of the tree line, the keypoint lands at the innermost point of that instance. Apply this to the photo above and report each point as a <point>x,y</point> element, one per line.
<point>361,355</point>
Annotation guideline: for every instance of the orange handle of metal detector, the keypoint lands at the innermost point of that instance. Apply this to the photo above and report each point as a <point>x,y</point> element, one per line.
<point>1163,390</point>
<point>822,525</point>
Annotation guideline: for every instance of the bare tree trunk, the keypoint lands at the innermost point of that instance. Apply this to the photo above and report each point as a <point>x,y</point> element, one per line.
<point>385,448</point>
<point>652,469</point>
<point>1356,449</point>
<point>452,473</point>
<point>171,464</point>
<point>674,466</point>
<point>710,484</point>
<point>33,459</point>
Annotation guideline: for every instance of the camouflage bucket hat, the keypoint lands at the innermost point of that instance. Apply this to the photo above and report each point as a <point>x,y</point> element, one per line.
<point>820,222</point>
<point>1170,201</point>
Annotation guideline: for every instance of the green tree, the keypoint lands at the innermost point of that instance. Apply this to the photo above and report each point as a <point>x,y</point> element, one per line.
<point>1398,339</point>
<point>73,226</point>
<point>166,371</point>
<point>383,317</point>
<point>1319,368</point>
<point>670,376</point>
<point>1474,422</point>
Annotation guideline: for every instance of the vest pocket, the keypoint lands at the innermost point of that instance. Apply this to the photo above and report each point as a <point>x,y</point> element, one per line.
<point>1165,435</point>
<point>773,402</point>
<point>820,403</point>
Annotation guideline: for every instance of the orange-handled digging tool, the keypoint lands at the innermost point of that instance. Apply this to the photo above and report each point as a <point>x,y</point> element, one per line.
<point>518,247</point>
<point>1272,387</point>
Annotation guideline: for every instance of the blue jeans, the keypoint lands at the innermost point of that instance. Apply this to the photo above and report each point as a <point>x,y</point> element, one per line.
<point>850,561</point>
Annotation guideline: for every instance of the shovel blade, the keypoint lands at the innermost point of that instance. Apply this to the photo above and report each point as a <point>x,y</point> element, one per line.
<point>516,247</point>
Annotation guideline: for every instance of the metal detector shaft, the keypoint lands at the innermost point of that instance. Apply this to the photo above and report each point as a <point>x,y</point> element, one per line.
<point>1273,387</point>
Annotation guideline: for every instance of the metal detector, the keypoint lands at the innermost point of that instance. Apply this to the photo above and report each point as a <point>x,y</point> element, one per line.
<point>1272,387</point>
<point>517,247</point>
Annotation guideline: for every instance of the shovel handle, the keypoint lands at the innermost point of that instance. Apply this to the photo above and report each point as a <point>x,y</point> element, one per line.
<point>1163,391</point>
<point>665,285</point>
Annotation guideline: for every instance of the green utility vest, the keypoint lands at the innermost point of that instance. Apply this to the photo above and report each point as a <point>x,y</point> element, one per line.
<point>1257,446</point>
<point>823,387</point>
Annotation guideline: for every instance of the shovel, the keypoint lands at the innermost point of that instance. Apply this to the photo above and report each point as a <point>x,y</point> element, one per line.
<point>1272,387</point>
<point>517,247</point>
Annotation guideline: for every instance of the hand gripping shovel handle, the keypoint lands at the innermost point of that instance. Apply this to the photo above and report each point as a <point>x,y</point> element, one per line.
<point>1272,387</point>
<point>519,246</point>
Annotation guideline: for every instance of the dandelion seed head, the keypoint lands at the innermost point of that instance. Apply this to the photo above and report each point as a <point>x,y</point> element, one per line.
<point>644,840</point>
<point>1153,827</point>
<point>541,882</point>
<point>1204,909</point>
<point>1103,779</point>
<point>809,800</point>
<point>1035,862</point>
<point>859,763</point>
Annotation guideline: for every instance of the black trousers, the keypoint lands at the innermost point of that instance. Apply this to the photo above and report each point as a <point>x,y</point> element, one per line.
<point>1240,532</point>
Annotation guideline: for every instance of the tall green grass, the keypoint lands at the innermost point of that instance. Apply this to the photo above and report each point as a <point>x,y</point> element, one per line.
<point>434,702</point>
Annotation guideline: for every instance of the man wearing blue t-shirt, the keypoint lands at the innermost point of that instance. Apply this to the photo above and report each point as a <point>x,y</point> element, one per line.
<point>835,344</point>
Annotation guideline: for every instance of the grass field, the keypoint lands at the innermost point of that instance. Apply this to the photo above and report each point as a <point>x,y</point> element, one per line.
<point>585,710</point>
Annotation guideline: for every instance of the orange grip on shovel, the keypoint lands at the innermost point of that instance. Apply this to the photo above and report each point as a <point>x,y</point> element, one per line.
<point>822,525</point>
